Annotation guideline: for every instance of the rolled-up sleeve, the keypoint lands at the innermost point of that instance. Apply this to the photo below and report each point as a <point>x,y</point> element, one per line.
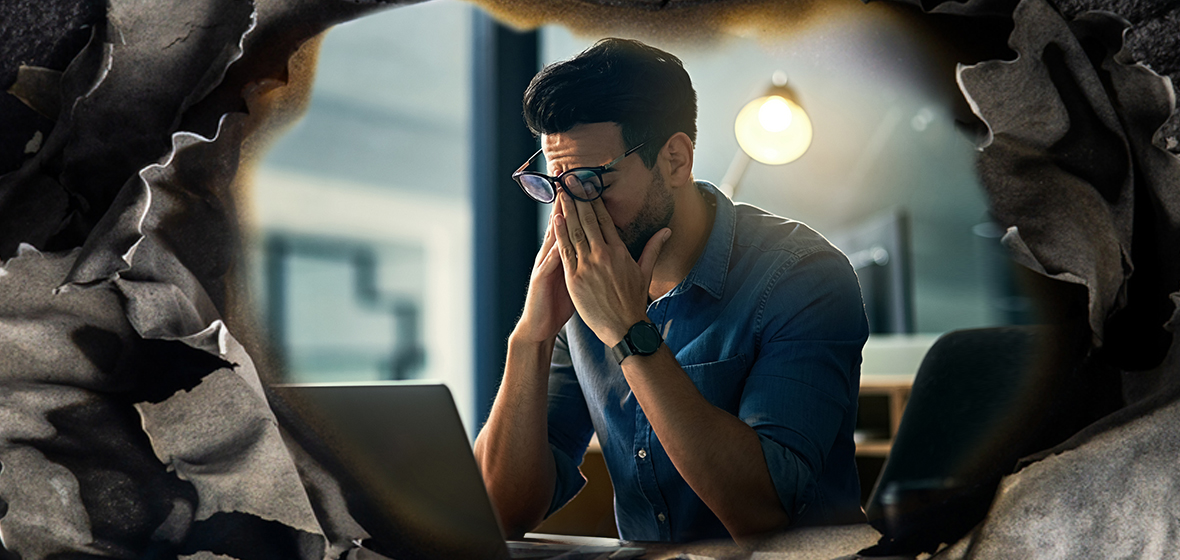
<point>570,427</point>
<point>802,386</point>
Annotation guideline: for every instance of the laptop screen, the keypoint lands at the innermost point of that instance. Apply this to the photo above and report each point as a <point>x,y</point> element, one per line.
<point>403,462</point>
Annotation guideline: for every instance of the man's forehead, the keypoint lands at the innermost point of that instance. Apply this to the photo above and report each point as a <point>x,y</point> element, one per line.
<point>593,140</point>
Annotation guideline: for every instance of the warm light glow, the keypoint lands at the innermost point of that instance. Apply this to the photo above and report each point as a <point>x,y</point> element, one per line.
<point>774,115</point>
<point>773,130</point>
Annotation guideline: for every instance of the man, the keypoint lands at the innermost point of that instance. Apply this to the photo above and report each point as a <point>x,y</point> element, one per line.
<point>714,348</point>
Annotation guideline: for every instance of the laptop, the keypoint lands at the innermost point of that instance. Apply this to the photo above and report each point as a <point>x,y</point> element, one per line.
<point>406,469</point>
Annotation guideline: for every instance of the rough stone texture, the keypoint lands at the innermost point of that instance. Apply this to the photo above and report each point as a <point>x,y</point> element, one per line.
<point>40,34</point>
<point>135,424</point>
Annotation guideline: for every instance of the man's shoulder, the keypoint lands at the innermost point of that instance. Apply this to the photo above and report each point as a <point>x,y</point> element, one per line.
<point>762,234</point>
<point>799,273</point>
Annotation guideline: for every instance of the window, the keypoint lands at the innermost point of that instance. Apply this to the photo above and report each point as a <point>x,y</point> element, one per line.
<point>363,213</point>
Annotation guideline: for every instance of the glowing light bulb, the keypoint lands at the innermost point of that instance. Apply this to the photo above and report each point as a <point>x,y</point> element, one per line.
<point>775,114</point>
<point>773,130</point>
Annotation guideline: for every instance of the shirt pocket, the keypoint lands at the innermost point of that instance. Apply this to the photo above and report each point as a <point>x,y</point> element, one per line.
<point>720,382</point>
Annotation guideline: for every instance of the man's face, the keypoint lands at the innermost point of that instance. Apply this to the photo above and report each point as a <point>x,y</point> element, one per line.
<point>637,198</point>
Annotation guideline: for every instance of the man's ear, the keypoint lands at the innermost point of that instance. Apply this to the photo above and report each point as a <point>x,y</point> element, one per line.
<point>676,157</point>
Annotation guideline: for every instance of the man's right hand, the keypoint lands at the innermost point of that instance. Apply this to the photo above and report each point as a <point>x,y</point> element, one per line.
<point>547,306</point>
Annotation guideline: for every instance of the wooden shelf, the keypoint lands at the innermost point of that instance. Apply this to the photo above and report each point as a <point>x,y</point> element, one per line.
<point>896,389</point>
<point>875,448</point>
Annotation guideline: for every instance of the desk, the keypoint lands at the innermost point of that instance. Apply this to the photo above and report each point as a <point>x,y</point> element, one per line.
<point>810,543</point>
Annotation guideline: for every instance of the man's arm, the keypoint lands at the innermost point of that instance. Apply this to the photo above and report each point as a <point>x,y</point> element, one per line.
<point>751,468</point>
<point>512,450</point>
<point>802,390</point>
<point>719,456</point>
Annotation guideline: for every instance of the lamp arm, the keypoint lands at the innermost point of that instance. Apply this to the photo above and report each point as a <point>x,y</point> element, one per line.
<point>733,176</point>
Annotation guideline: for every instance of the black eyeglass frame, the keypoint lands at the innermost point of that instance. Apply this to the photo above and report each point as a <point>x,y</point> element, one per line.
<point>558,182</point>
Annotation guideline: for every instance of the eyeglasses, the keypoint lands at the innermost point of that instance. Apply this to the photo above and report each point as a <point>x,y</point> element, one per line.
<point>582,183</point>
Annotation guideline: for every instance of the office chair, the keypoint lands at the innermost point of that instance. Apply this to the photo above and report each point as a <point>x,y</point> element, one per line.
<point>981,400</point>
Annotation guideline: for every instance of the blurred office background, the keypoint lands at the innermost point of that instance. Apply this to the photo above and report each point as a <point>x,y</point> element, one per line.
<point>373,251</point>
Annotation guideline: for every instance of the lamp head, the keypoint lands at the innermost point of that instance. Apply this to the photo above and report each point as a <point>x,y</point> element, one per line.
<point>774,129</point>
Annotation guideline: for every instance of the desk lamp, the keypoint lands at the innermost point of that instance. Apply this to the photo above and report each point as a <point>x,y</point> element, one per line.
<point>772,129</point>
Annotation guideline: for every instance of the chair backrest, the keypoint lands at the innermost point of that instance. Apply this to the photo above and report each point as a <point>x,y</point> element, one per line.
<point>960,434</point>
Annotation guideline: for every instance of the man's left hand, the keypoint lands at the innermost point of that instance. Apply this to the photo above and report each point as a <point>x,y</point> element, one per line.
<point>609,289</point>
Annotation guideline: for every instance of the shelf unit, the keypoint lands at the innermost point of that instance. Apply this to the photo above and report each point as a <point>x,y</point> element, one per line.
<point>896,390</point>
<point>890,363</point>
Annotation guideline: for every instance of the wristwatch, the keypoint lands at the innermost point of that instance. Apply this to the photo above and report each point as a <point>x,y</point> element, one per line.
<point>643,338</point>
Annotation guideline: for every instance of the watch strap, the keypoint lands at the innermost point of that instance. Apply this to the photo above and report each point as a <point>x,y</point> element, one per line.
<point>626,347</point>
<point>620,351</point>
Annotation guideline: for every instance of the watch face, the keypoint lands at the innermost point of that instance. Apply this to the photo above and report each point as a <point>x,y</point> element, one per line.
<point>645,338</point>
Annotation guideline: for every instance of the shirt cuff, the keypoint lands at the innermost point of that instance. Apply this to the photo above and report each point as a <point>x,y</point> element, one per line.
<point>792,479</point>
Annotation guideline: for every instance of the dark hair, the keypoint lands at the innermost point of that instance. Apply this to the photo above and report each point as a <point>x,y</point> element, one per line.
<point>643,89</point>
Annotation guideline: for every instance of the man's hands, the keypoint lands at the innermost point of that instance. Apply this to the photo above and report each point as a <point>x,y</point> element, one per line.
<point>608,288</point>
<point>583,264</point>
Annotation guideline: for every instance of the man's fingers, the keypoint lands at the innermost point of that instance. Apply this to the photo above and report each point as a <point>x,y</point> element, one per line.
<point>546,245</point>
<point>651,252</point>
<point>606,224</point>
<point>569,258</point>
<point>588,219</point>
<point>573,224</point>
<point>550,261</point>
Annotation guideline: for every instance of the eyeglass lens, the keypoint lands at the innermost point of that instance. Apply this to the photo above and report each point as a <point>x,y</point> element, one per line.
<point>537,187</point>
<point>585,184</point>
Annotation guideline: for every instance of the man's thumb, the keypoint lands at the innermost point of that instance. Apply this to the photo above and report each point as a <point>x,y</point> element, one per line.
<point>651,251</point>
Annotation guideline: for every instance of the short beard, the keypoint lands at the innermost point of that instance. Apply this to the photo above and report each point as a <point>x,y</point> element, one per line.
<point>656,214</point>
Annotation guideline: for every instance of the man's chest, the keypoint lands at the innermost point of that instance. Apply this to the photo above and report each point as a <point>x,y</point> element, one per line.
<point>715,347</point>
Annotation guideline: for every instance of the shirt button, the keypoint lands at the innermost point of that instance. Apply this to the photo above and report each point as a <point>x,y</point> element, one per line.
<point>642,454</point>
<point>661,517</point>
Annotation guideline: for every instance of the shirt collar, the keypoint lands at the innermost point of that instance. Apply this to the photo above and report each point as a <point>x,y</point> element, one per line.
<point>712,267</point>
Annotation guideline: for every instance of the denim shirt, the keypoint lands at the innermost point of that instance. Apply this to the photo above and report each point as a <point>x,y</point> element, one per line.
<point>769,325</point>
